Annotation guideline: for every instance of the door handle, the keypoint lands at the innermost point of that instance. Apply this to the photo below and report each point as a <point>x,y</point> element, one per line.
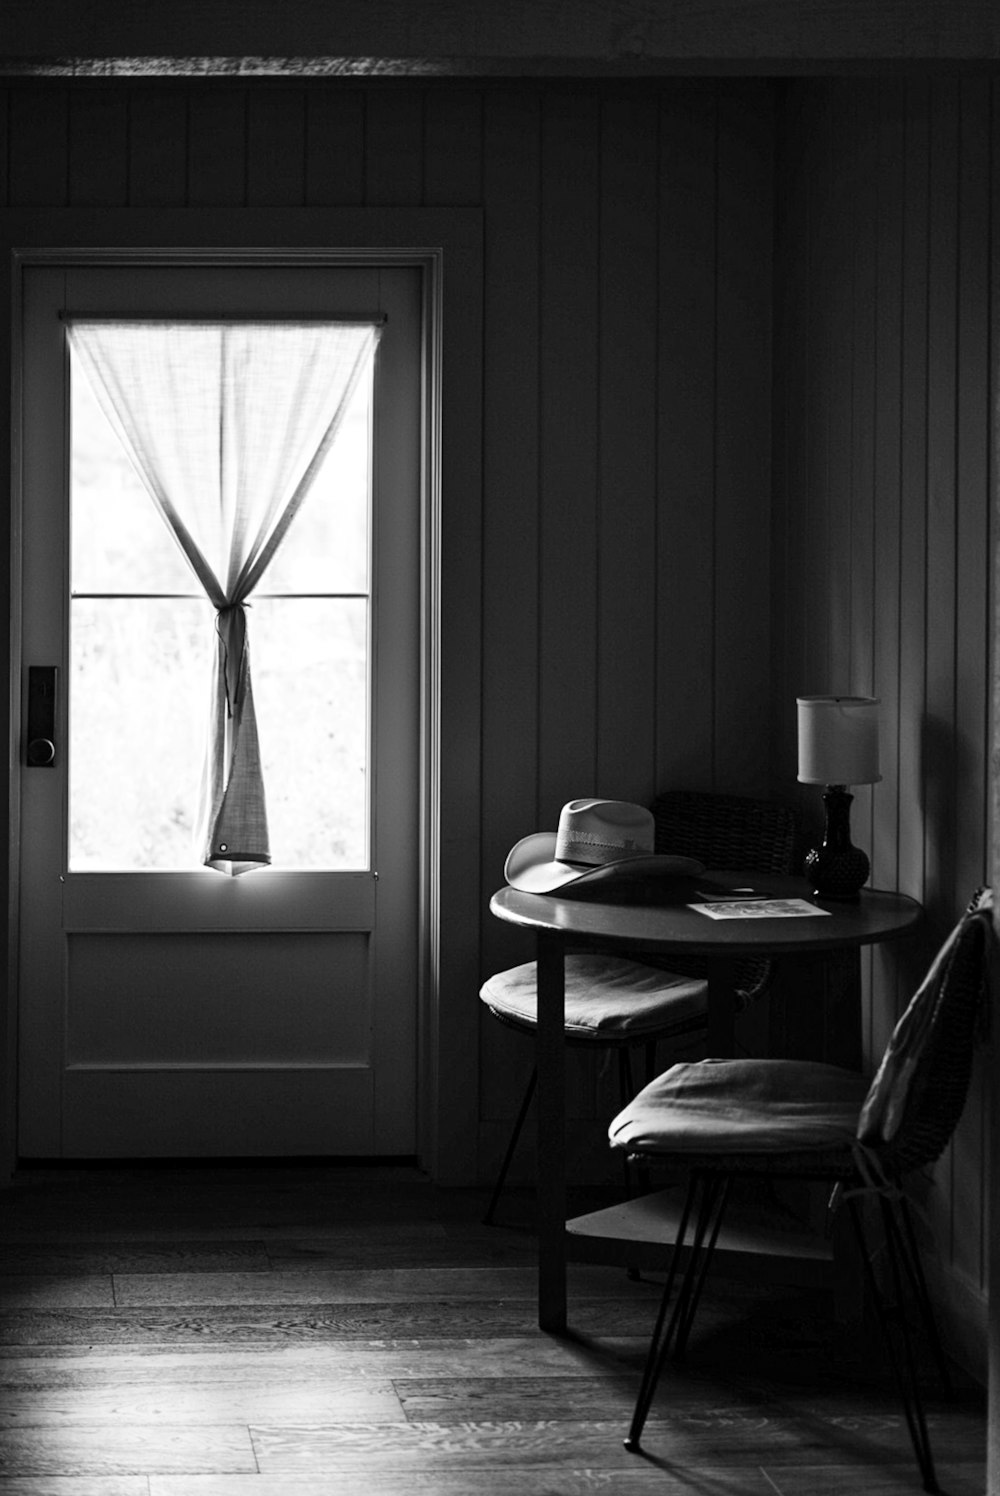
<point>41,724</point>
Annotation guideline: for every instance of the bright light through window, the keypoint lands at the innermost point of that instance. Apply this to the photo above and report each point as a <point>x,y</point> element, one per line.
<point>142,640</point>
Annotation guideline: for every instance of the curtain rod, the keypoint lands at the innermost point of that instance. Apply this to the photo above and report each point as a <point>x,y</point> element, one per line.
<point>376,319</point>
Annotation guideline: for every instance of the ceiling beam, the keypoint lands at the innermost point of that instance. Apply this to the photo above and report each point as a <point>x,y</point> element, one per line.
<point>486,37</point>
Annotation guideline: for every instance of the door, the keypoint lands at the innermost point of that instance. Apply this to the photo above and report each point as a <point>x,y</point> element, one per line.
<point>166,1009</point>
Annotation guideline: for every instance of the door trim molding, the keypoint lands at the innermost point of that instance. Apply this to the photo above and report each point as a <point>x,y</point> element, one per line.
<point>446,245</point>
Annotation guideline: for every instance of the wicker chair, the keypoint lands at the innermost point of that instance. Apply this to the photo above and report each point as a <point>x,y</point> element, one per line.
<point>728,832</point>
<point>720,1121</point>
<point>722,831</point>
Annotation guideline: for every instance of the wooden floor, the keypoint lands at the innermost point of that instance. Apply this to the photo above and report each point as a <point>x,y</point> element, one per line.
<point>311,1331</point>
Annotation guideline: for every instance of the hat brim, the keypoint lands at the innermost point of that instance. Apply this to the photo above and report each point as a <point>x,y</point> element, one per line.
<point>532,868</point>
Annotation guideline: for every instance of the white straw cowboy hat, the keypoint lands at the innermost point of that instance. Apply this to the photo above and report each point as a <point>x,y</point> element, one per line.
<point>596,839</point>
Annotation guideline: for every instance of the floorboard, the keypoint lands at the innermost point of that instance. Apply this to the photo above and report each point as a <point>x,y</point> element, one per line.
<point>312,1331</point>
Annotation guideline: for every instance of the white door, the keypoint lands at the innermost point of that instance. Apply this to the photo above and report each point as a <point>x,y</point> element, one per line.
<point>166,1009</point>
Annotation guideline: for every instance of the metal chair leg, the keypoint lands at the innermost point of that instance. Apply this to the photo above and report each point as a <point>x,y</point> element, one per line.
<point>708,1218</point>
<point>659,1343</point>
<point>714,1209</point>
<point>511,1148</point>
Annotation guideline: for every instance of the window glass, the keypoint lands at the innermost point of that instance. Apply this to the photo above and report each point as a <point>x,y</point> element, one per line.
<point>142,643</point>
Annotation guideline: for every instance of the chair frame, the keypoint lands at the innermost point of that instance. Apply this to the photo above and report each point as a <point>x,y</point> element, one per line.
<point>937,1098</point>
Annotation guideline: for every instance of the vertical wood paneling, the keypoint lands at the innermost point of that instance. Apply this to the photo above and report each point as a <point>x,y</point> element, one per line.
<point>98,149</point>
<point>39,147</point>
<point>790,448</point>
<point>626,457</point>
<point>158,150</point>
<point>4,147</point>
<point>882,826</point>
<point>453,147</point>
<point>511,496</point>
<point>742,687</point>
<point>914,259</point>
<point>276,128</point>
<point>335,148</point>
<point>972,647</point>
<point>887,479</point>
<point>569,447</point>
<point>217,169</point>
<point>836,389</point>
<point>685,540</point>
<point>913,515</point>
<point>394,146</point>
<point>939,732</point>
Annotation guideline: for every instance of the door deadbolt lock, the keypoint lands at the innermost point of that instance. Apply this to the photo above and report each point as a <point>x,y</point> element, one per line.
<point>41,724</point>
<point>41,753</point>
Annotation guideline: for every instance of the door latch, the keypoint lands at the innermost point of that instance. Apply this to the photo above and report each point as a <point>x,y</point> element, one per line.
<point>40,752</point>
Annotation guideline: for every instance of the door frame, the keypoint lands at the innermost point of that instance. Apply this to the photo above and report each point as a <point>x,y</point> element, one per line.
<point>446,246</point>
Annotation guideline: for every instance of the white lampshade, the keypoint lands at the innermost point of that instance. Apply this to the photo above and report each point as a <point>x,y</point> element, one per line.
<point>838,739</point>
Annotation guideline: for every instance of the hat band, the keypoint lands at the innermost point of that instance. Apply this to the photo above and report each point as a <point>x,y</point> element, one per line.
<point>586,847</point>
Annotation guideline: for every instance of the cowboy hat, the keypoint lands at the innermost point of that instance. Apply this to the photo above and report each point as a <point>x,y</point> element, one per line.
<point>596,839</point>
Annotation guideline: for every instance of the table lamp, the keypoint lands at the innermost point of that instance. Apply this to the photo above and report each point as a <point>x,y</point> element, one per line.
<point>838,746</point>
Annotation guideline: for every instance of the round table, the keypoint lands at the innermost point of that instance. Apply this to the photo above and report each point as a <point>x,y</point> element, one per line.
<point>657,917</point>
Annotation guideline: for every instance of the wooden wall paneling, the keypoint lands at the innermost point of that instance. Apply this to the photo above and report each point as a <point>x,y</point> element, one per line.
<point>789,616</point>
<point>942,395</point>
<point>39,147</point>
<point>992,1049</point>
<point>969,1186</point>
<point>810,538</point>
<point>884,797</point>
<point>276,147</point>
<point>157,148</point>
<point>834,306</point>
<point>568,458</point>
<point>887,457</point>
<point>626,457</point>
<point>217,134</point>
<point>511,509</point>
<point>98,147</point>
<point>939,721</point>
<point>743,437</point>
<point>913,461</point>
<point>685,438</point>
<point>453,146</point>
<point>511,188</point>
<point>4,146</point>
<point>394,146</point>
<point>454,1046</point>
<point>569,563</point>
<point>975,389</point>
<point>335,146</point>
<point>857,577</point>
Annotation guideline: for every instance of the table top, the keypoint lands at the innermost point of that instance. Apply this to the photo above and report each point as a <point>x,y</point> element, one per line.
<point>658,917</point>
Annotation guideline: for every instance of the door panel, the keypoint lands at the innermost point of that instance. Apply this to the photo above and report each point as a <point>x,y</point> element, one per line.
<point>187,1013</point>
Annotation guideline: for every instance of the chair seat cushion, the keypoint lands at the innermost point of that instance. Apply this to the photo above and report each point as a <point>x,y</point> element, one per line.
<point>742,1106</point>
<point>607,997</point>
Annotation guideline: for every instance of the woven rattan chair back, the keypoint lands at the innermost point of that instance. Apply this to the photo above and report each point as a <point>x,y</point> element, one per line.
<point>728,831</point>
<point>940,1081</point>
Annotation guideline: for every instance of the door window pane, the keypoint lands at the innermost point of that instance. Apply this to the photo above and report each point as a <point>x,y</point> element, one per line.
<point>142,642</point>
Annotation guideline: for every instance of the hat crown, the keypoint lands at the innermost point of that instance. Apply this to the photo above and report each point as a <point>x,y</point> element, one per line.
<point>595,832</point>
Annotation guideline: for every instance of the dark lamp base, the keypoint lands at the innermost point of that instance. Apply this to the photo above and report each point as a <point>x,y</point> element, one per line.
<point>837,869</point>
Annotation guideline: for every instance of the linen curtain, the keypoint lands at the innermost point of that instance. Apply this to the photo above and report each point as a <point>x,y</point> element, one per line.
<point>227,424</point>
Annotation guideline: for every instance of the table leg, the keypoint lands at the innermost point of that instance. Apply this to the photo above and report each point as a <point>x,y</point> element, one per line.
<point>551,1112</point>
<point>721,1007</point>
